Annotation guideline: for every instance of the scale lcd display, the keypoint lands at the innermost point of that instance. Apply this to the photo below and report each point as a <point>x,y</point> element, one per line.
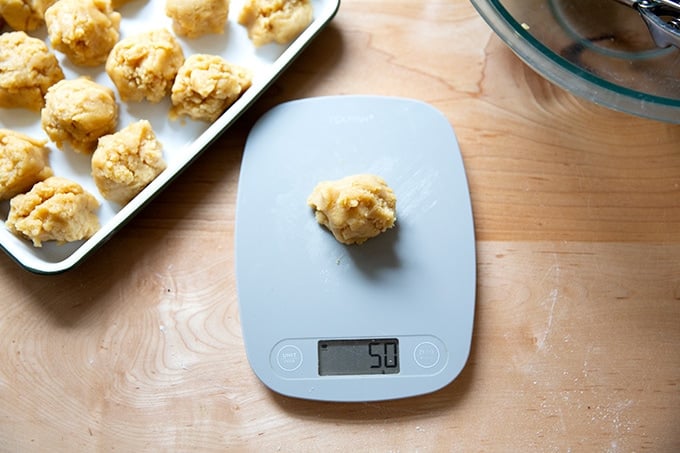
<point>356,357</point>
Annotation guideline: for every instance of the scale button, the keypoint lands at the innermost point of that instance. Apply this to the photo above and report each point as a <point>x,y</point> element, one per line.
<point>289,358</point>
<point>426,354</point>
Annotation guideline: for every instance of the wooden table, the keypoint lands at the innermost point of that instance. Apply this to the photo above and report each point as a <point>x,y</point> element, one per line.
<point>576,344</point>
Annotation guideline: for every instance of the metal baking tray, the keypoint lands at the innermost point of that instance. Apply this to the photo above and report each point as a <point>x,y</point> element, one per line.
<point>183,139</point>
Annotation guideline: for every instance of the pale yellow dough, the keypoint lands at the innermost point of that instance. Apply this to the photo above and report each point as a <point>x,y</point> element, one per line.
<point>23,162</point>
<point>355,208</point>
<point>27,70</point>
<point>275,20</point>
<point>24,15</point>
<point>78,112</point>
<point>127,161</point>
<point>84,30</point>
<point>206,85</point>
<point>55,209</point>
<point>144,66</point>
<point>194,18</point>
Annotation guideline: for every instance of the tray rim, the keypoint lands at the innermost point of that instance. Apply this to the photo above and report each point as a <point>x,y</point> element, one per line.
<point>192,152</point>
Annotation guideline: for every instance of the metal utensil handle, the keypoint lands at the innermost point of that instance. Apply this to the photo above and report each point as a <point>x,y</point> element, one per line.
<point>664,33</point>
<point>673,4</point>
<point>662,18</point>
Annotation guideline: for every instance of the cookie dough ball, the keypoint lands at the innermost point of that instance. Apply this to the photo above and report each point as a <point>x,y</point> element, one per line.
<point>27,70</point>
<point>84,30</point>
<point>355,208</point>
<point>144,66</point>
<point>55,209</point>
<point>206,85</point>
<point>78,112</point>
<point>24,15</point>
<point>275,20</point>
<point>23,162</point>
<point>127,161</point>
<point>194,18</point>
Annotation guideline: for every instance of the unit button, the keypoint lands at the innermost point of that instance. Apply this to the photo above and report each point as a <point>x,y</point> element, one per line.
<point>426,354</point>
<point>289,358</point>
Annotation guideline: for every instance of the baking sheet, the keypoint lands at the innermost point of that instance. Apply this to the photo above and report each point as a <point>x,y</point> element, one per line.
<point>183,139</point>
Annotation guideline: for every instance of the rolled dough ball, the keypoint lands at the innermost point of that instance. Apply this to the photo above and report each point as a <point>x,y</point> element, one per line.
<point>55,209</point>
<point>84,30</point>
<point>206,85</point>
<point>194,18</point>
<point>24,15</point>
<point>275,20</point>
<point>355,208</point>
<point>27,70</point>
<point>127,161</point>
<point>144,66</point>
<point>78,112</point>
<point>23,162</point>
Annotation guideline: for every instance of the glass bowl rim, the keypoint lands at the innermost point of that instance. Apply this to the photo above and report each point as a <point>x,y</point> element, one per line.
<point>570,76</point>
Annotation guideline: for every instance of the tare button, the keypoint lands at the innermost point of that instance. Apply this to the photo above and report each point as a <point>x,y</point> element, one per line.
<point>426,354</point>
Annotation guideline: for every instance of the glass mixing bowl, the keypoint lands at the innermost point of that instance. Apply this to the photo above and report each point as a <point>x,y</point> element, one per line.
<point>600,50</point>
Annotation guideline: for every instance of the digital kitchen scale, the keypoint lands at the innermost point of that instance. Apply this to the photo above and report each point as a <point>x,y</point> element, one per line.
<point>389,318</point>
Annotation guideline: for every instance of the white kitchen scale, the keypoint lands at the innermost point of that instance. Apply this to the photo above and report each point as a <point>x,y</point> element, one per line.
<point>390,318</point>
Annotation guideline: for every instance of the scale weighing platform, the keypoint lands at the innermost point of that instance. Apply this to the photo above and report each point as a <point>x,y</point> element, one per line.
<point>390,318</point>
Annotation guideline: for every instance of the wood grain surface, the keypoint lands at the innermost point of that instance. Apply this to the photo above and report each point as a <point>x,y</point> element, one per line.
<point>576,345</point>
